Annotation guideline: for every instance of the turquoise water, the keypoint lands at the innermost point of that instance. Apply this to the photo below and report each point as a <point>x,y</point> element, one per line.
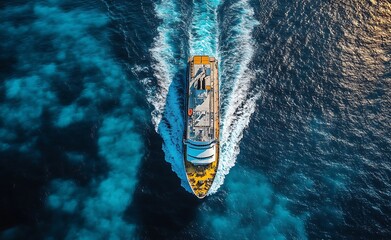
<point>91,122</point>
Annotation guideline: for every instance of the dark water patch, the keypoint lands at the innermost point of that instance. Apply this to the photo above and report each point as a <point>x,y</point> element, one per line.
<point>7,66</point>
<point>63,157</point>
<point>70,90</point>
<point>20,183</point>
<point>160,207</point>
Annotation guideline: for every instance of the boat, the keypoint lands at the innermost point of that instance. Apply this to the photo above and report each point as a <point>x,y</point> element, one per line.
<point>202,128</point>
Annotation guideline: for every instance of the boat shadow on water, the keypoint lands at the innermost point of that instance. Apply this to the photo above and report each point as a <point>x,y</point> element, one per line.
<point>161,207</point>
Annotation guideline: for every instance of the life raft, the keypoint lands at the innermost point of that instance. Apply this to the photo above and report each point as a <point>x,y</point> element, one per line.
<point>190,112</point>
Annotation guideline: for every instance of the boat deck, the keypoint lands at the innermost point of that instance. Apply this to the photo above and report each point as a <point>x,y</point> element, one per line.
<point>200,126</point>
<point>203,125</point>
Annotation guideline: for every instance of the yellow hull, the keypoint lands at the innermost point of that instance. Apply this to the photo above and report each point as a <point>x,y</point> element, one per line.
<point>200,178</point>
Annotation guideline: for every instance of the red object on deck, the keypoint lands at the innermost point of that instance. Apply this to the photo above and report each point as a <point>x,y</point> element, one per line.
<point>190,111</point>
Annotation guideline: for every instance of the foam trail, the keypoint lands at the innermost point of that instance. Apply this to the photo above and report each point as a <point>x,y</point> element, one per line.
<point>239,101</point>
<point>204,28</point>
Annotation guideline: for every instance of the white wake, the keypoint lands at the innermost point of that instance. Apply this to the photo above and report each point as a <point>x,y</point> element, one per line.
<point>239,101</point>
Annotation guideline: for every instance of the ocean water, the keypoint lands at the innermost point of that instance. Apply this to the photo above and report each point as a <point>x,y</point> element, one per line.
<point>91,119</point>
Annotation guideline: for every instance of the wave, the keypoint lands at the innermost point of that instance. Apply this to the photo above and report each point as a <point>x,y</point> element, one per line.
<point>238,94</point>
<point>235,54</point>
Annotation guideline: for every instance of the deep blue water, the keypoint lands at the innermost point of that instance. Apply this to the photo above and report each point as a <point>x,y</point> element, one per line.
<point>91,99</point>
